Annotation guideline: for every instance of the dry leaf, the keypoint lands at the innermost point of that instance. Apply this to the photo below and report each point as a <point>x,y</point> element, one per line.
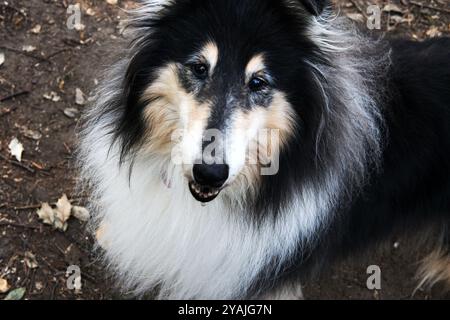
<point>112,1</point>
<point>57,217</point>
<point>392,8</point>
<point>30,260</point>
<point>16,294</point>
<point>81,213</point>
<point>79,27</point>
<point>36,29</point>
<point>46,214</point>
<point>70,112</point>
<point>90,12</point>
<point>53,96</point>
<point>39,286</point>
<point>29,48</point>
<point>35,135</point>
<point>16,149</point>
<point>2,58</point>
<point>4,286</point>
<point>79,97</point>
<point>62,213</point>
<point>433,32</point>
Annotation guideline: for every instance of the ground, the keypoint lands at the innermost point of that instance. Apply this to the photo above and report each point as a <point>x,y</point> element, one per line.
<point>45,63</point>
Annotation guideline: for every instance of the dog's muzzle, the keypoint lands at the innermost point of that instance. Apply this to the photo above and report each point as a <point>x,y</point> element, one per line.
<point>208,181</point>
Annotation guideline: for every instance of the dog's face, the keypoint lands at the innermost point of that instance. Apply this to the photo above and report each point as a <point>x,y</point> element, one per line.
<point>215,86</point>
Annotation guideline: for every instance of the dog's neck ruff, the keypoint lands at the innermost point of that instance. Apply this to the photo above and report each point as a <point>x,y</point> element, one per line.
<point>161,237</point>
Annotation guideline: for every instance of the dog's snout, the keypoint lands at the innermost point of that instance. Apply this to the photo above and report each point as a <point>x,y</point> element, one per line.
<point>213,175</point>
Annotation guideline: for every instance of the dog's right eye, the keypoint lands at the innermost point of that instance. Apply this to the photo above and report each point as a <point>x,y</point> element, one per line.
<point>200,70</point>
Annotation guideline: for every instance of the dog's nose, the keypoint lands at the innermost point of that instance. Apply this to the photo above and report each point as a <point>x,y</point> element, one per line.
<point>213,175</point>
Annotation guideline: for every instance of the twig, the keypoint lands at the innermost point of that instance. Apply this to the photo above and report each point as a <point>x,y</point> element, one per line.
<point>57,52</point>
<point>18,164</point>
<point>33,206</point>
<point>42,59</point>
<point>423,5</point>
<point>14,95</point>
<point>19,225</point>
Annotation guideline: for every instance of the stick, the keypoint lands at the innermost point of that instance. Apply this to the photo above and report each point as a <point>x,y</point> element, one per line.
<point>56,53</point>
<point>18,164</point>
<point>18,225</point>
<point>14,95</point>
<point>25,54</point>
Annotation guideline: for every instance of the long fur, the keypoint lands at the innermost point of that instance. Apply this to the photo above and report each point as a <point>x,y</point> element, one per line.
<point>156,237</point>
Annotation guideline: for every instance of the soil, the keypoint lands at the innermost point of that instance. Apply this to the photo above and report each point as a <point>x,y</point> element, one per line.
<point>65,60</point>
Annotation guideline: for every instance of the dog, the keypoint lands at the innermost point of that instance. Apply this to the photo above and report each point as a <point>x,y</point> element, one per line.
<point>356,146</point>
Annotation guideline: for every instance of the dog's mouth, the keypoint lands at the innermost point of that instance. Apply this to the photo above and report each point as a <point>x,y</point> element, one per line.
<point>203,194</point>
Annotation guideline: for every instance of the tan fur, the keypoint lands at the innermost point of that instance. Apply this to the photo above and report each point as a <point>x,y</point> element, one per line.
<point>254,66</point>
<point>171,108</point>
<point>435,268</point>
<point>210,52</point>
<point>278,116</point>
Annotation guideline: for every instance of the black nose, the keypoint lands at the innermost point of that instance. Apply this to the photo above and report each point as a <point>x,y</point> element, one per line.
<point>211,175</point>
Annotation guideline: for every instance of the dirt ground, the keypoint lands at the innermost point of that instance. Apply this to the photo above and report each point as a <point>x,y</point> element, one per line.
<point>44,65</point>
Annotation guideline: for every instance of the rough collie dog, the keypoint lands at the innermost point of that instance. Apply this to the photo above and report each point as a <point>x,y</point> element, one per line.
<point>356,145</point>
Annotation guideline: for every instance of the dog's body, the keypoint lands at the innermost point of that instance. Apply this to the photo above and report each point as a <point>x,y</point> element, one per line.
<point>364,147</point>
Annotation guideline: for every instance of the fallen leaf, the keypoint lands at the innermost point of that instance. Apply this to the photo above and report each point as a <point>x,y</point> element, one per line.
<point>61,85</point>
<point>62,213</point>
<point>16,294</point>
<point>392,8</point>
<point>45,213</point>
<point>30,260</point>
<point>16,149</point>
<point>35,135</point>
<point>36,29</point>
<point>433,32</point>
<point>70,112</point>
<point>4,286</point>
<point>79,27</point>
<point>409,18</point>
<point>28,48</point>
<point>79,97</point>
<point>112,1</point>
<point>53,96</point>
<point>90,12</point>
<point>2,58</point>
<point>39,286</point>
<point>396,19</point>
<point>81,213</point>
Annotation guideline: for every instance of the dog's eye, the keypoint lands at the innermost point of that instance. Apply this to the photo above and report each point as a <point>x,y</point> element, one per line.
<point>200,70</point>
<point>257,84</point>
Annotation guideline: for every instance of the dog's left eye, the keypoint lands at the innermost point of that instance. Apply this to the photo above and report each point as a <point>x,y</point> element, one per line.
<point>257,84</point>
<point>200,70</point>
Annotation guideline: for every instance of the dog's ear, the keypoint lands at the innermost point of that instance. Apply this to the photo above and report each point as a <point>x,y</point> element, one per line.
<point>315,7</point>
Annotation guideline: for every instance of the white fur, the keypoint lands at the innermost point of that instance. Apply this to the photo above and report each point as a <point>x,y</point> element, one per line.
<point>159,236</point>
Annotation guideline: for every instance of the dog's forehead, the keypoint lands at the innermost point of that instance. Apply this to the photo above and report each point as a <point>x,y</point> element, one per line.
<point>210,52</point>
